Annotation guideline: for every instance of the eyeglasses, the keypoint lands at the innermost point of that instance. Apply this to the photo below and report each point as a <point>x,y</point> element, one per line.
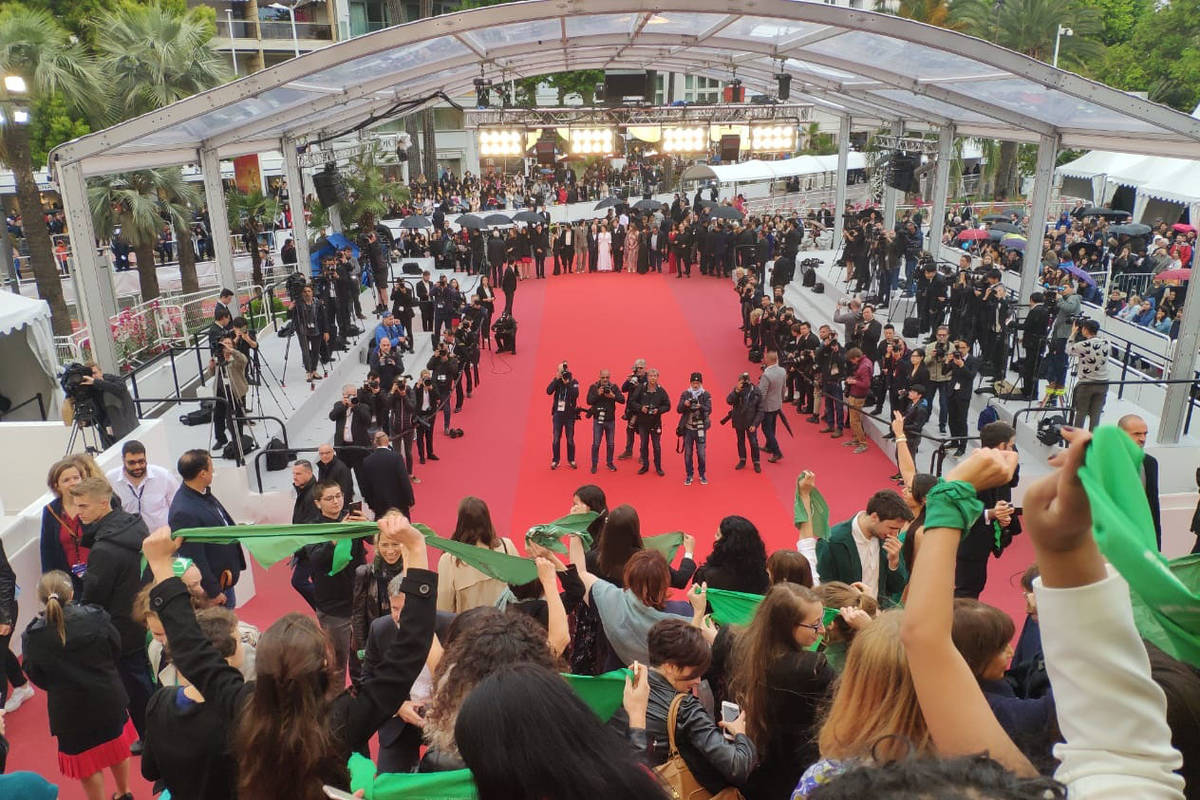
<point>815,627</point>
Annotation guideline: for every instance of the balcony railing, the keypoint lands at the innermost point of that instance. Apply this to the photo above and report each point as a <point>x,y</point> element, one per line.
<point>276,30</point>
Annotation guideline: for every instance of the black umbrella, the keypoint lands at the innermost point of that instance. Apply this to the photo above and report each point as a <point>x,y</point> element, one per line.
<point>1130,229</point>
<point>528,216</point>
<point>725,212</point>
<point>607,202</point>
<point>1005,227</point>
<point>416,222</point>
<point>497,219</point>
<point>1107,213</point>
<point>996,218</point>
<point>996,235</point>
<point>708,203</point>
<point>471,222</point>
<point>647,205</point>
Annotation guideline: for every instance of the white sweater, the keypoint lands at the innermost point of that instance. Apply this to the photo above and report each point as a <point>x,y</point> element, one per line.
<point>1112,715</point>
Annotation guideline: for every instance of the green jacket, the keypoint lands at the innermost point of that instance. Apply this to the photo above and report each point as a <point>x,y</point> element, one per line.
<point>837,560</point>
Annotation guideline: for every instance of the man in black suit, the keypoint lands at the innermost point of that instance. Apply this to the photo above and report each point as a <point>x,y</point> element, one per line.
<point>425,301</point>
<point>1034,333</point>
<point>384,479</point>
<point>224,303</point>
<point>1136,427</point>
<point>508,285</point>
<point>351,417</point>
<point>994,528</point>
<point>400,736</point>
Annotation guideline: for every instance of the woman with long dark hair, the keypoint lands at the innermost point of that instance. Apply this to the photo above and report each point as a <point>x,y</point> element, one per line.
<point>780,684</point>
<point>525,734</point>
<point>622,537</point>
<point>738,561</point>
<point>294,728</point>
<point>461,586</point>
<point>371,600</point>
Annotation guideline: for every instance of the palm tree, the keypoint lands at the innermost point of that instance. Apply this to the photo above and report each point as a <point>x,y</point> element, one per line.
<point>186,196</point>
<point>369,192</point>
<point>1030,27</point>
<point>931,12</point>
<point>134,202</point>
<point>34,46</point>
<point>155,56</point>
<point>250,214</point>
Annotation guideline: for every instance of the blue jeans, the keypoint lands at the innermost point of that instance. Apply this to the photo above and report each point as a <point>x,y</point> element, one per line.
<point>942,390</point>
<point>445,401</point>
<point>910,272</point>
<point>695,441</point>
<point>835,411</point>
<point>770,443</point>
<point>564,422</point>
<point>604,430</point>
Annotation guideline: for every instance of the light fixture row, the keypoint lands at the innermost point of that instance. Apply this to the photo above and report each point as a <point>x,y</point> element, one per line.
<point>764,138</point>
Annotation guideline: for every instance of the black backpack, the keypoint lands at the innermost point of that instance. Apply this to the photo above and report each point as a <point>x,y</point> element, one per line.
<point>912,327</point>
<point>198,416</point>
<point>756,355</point>
<point>809,279</point>
<point>819,288</point>
<point>278,456</point>
<point>248,446</point>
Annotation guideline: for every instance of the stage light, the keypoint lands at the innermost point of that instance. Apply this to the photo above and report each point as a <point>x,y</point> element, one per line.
<point>503,142</point>
<point>592,141</point>
<point>773,138</point>
<point>685,140</point>
<point>785,85</point>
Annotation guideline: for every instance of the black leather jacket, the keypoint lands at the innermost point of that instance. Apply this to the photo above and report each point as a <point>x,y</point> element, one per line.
<point>714,761</point>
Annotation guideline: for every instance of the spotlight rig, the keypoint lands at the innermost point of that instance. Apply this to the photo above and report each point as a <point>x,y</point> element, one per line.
<point>483,93</point>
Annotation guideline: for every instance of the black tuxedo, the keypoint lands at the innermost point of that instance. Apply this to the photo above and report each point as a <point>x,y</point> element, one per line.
<point>508,285</point>
<point>385,483</point>
<point>1150,480</point>
<point>425,303</point>
<point>359,423</point>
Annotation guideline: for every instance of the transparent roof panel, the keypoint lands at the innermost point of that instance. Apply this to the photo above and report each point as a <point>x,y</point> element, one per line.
<point>395,60</point>
<point>797,65</point>
<point>676,22</point>
<point>764,29</point>
<point>600,24</point>
<point>933,105</point>
<point>545,30</point>
<point>1055,107</point>
<point>269,102</point>
<point>902,57</point>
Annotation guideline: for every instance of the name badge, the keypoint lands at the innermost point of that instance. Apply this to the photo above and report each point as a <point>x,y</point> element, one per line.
<point>700,434</point>
<point>562,405</point>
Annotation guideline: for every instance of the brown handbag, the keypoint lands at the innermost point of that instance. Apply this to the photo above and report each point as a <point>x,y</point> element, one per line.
<point>675,774</point>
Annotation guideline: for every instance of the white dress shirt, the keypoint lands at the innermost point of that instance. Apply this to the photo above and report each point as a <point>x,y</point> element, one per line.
<point>151,499</point>
<point>868,556</point>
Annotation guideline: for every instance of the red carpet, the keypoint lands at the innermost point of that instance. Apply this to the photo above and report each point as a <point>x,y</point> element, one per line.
<point>595,322</point>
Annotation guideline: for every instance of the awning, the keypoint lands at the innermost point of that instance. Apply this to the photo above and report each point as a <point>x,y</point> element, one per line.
<point>754,170</point>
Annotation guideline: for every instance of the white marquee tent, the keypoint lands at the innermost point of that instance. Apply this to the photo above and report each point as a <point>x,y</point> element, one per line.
<point>1163,186</point>
<point>27,354</point>
<point>754,170</point>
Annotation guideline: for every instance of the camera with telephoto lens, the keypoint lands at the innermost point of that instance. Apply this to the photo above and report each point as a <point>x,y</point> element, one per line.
<point>82,396</point>
<point>295,286</point>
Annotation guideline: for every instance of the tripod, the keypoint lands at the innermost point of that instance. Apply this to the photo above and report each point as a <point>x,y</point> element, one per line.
<point>225,389</point>
<point>261,361</point>
<point>79,429</point>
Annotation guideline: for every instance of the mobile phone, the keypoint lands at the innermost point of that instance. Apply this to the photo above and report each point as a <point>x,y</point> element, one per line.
<point>337,794</point>
<point>729,712</point>
<point>355,507</point>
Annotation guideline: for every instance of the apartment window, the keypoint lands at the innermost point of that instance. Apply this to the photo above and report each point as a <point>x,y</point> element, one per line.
<point>660,89</point>
<point>701,90</point>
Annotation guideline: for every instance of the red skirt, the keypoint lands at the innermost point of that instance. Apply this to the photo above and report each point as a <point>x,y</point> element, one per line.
<point>102,756</point>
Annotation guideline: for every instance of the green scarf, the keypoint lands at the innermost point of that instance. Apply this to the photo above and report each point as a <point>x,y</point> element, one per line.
<point>603,694</point>
<point>270,544</point>
<point>820,513</point>
<point>1165,594</point>
<point>549,535</point>
<point>454,785</point>
<point>739,608</point>
<point>666,543</point>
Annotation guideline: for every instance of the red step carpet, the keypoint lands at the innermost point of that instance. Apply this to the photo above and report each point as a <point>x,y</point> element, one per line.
<point>594,322</point>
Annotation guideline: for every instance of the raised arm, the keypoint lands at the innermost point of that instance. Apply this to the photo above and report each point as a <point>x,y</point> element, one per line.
<point>959,718</point>
<point>904,459</point>
<point>557,629</point>
<point>579,561</point>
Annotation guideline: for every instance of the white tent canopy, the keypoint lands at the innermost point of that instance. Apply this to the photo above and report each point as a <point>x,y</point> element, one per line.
<point>27,353</point>
<point>754,170</point>
<point>1175,180</point>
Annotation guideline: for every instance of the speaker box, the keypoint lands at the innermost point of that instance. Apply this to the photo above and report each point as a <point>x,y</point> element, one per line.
<point>731,146</point>
<point>330,188</point>
<point>620,85</point>
<point>545,152</point>
<point>901,168</point>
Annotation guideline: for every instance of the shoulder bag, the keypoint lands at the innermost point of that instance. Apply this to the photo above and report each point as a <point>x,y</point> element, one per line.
<point>675,774</point>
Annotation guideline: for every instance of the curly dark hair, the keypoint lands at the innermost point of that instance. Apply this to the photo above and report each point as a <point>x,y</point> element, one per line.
<point>491,639</point>
<point>740,549</point>
<point>963,778</point>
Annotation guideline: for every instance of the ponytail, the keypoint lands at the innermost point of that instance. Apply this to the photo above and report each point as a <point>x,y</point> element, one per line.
<point>55,591</point>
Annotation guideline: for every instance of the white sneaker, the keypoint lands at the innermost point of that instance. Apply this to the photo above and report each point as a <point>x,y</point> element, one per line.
<point>19,696</point>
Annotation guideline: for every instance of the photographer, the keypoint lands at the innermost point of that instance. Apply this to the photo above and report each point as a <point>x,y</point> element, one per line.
<point>746,415</point>
<point>403,303</point>
<point>1069,306</point>
<point>505,329</point>
<point>632,384</point>
<point>564,412</point>
<point>466,350</point>
<point>391,330</point>
<point>831,366</point>
<point>324,288</point>
<point>937,359</point>
<point>247,345</point>
<point>995,314</point>
<point>1034,332</point>
<point>1091,387</point>
<point>803,349</point>
<point>424,405</point>
<point>603,397</point>
<point>962,369</point>
<point>651,402</point>
<point>346,287</point>
<point>308,314</point>
<point>118,414</point>
<point>229,368</point>
<point>445,368</point>
<point>867,333</point>
<point>402,420</point>
<point>932,296</point>
<point>695,410</point>
<point>387,363</point>
<point>351,418</point>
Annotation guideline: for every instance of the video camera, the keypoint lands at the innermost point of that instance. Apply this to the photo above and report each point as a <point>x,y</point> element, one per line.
<point>82,396</point>
<point>295,286</point>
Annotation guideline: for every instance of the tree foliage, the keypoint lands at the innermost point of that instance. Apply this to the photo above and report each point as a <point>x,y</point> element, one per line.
<point>1030,27</point>
<point>369,192</point>
<point>51,122</point>
<point>931,12</point>
<point>1161,56</point>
